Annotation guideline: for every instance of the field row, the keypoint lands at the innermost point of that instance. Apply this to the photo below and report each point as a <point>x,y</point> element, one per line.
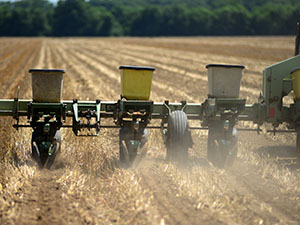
<point>87,185</point>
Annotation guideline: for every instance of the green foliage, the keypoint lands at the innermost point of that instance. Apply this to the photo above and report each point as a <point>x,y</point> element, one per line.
<point>143,24</point>
<point>280,19</point>
<point>232,20</point>
<point>72,18</point>
<point>148,17</point>
<point>26,18</point>
<point>200,21</point>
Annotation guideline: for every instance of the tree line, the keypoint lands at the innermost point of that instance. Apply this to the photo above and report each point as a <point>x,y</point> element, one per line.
<point>148,17</point>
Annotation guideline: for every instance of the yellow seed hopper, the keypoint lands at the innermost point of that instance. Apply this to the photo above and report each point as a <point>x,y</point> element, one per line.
<point>136,82</point>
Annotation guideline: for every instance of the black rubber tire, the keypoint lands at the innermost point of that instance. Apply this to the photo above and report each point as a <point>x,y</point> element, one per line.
<point>127,156</point>
<point>222,149</point>
<point>179,138</point>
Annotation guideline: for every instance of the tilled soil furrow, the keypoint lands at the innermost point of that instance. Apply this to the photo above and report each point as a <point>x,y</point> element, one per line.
<point>196,67</point>
<point>187,76</point>
<point>47,197</point>
<point>192,64</point>
<point>158,87</point>
<point>9,49</point>
<point>266,192</point>
<point>194,59</point>
<point>16,143</point>
<point>96,142</point>
<point>21,77</point>
<point>44,202</point>
<point>233,47</point>
<point>17,72</point>
<point>86,185</point>
<point>172,208</point>
<point>107,69</point>
<point>9,72</point>
<point>86,77</point>
<point>120,59</point>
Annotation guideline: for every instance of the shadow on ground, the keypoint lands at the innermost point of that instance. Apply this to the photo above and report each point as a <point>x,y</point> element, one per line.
<point>284,155</point>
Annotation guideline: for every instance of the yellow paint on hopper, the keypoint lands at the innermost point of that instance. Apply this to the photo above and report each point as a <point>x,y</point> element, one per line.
<point>136,82</point>
<point>296,82</point>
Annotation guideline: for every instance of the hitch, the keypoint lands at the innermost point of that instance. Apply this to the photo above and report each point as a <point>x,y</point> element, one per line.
<point>86,112</point>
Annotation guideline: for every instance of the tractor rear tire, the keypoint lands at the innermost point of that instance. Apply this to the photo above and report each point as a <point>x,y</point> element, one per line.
<point>179,138</point>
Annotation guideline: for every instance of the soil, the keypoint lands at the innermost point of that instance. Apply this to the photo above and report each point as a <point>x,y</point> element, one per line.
<point>87,186</point>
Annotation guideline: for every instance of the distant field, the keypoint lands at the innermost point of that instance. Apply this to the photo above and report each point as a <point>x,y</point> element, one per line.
<point>86,185</point>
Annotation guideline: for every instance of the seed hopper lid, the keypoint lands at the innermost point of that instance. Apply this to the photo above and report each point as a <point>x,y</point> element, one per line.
<point>136,67</point>
<point>225,65</point>
<point>295,69</point>
<point>47,70</point>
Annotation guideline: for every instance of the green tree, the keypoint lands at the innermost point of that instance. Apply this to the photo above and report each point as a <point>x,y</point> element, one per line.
<point>232,20</point>
<point>148,17</point>
<point>175,21</point>
<point>5,15</point>
<point>19,22</point>
<point>147,23</point>
<point>78,18</point>
<point>70,18</point>
<point>25,18</point>
<point>200,21</point>
<point>274,19</point>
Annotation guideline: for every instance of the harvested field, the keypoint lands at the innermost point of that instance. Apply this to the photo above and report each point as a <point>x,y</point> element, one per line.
<point>86,185</point>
